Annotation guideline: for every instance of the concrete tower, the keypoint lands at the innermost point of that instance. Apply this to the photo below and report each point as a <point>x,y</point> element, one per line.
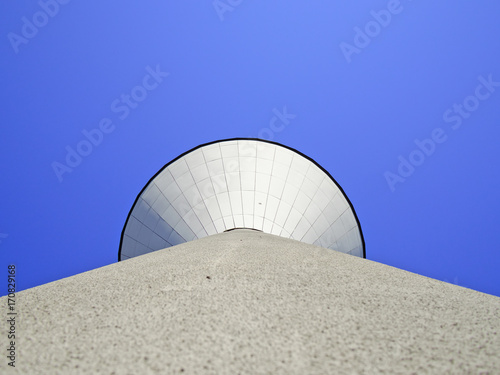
<point>251,262</point>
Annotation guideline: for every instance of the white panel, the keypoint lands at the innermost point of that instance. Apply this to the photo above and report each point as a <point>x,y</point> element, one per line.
<point>160,204</point>
<point>349,220</point>
<point>289,194</point>
<point>321,224</point>
<point>144,235</point>
<point>128,245</point>
<point>238,221</point>
<point>141,210</point>
<point>133,227</point>
<point>264,166</point>
<point>338,228</point>
<point>219,225</point>
<point>219,184</point>
<point>295,178</point>
<point>265,151</point>
<point>282,213</point>
<point>276,229</point>
<point>231,164</point>
<point>150,194</point>
<point>283,156</point>
<point>213,207</point>
<point>211,152</point>
<point>224,204</point>
<point>280,171</point>
<point>171,216</point>
<point>348,224</point>
<point>233,181</point>
<point>268,226</point>
<point>271,207</point>
<point>248,164</point>
<point>247,148</point>
<point>302,202</point>
<point>343,242</point>
<point>140,249</point>
<point>193,196</point>
<point>191,219</point>
<point>164,179</point>
<point>315,174</point>
<point>340,203</point>
<point>310,236</point>
<point>184,231</point>
<point>300,164</point>
<point>260,204</point>
<point>206,188</point>
<point>329,188</point>
<point>321,199</point>
<point>331,212</point>
<point>262,183</point>
<point>194,159</point>
<point>236,204</point>
<point>172,191</point>
<point>309,188</point>
<point>292,220</point>
<point>163,230</point>
<point>157,243</point>
<point>228,222</point>
<point>229,149</point>
<point>202,214</point>
<point>248,181</point>
<point>175,238</point>
<point>353,238</point>
<point>178,168</point>
<point>276,187</point>
<point>181,205</point>
<point>358,242</point>
<point>248,198</point>
<point>210,229</point>
<point>152,219</point>
<point>185,181</point>
<point>301,229</point>
<point>258,222</point>
<point>200,173</point>
<point>215,167</point>
<point>248,221</point>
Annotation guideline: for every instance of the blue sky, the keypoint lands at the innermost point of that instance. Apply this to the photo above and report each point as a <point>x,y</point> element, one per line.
<point>398,100</point>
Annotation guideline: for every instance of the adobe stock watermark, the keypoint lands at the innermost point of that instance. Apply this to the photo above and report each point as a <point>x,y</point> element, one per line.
<point>122,107</point>
<point>454,116</point>
<point>30,26</point>
<point>3,236</point>
<point>223,6</point>
<point>363,36</point>
<point>277,124</point>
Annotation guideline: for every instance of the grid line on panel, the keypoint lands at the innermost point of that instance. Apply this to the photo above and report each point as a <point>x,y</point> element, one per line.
<point>297,197</point>
<point>248,192</point>
<point>241,189</point>
<point>202,200</point>
<point>226,176</point>
<point>269,192</point>
<point>281,199</point>
<point>211,181</point>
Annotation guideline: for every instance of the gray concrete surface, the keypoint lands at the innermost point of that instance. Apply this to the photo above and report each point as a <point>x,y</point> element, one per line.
<point>244,302</point>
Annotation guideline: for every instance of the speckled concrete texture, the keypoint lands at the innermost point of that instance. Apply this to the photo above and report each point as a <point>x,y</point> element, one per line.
<point>244,302</point>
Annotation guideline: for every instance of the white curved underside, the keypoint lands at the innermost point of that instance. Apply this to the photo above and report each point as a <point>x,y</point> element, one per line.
<point>241,184</point>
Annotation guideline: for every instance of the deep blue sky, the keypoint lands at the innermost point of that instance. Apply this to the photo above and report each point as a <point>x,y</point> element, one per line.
<point>360,103</point>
